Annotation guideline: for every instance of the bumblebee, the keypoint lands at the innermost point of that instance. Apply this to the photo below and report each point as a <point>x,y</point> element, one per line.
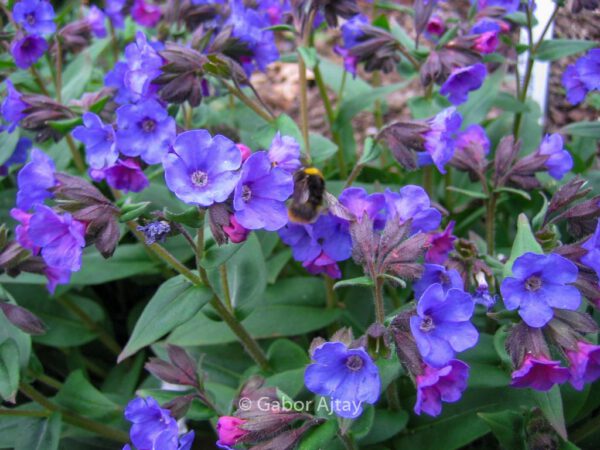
<point>308,196</point>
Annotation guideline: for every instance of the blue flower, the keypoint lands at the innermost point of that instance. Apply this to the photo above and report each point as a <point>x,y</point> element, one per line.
<point>99,140</point>
<point>575,87</point>
<point>412,203</point>
<point>154,427</point>
<point>156,231</point>
<point>348,376</point>
<point>27,50</point>
<point>96,20</point>
<point>462,81</point>
<point>592,257</point>
<point>509,6</point>
<point>440,139</point>
<point>559,160</point>
<point>538,284</point>
<point>260,195</point>
<point>18,156</point>
<point>145,130</point>
<point>359,203</point>
<point>114,11</point>
<point>284,153</point>
<point>35,16</point>
<point>202,170</point>
<point>436,274</point>
<point>12,106</point>
<point>34,180</point>
<point>60,237</point>
<point>442,325</point>
<point>588,68</point>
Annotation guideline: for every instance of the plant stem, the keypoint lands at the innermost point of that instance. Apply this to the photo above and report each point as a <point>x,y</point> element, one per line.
<point>490,222</point>
<point>104,337</point>
<point>304,106</point>
<point>248,102</point>
<point>47,380</point>
<point>330,295</point>
<point>348,441</point>
<point>392,396</point>
<point>225,286</point>
<point>447,192</point>
<point>39,81</point>
<point>75,419</point>
<point>77,159</point>
<point>586,430</point>
<point>114,42</point>
<point>428,180</point>
<point>379,303</point>
<point>58,78</point>
<point>23,413</point>
<point>187,116</point>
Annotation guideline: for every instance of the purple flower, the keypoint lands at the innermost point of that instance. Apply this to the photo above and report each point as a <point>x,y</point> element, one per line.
<point>462,81</point>
<point>412,203</point>
<point>482,295</point>
<point>584,364</point>
<point>435,386</point>
<point>436,274</point>
<point>156,231</point>
<point>60,237</point>
<point>202,170</point>
<point>146,14</point>
<point>274,9</point>
<point>559,160</point>
<point>114,11</point>
<point>99,140</point>
<point>475,142</point>
<point>440,138</point>
<point>319,245</point>
<point>350,61</point>
<point>126,175</point>
<point>12,106</point>
<point>359,203</point>
<point>435,28</point>
<point>538,284</point>
<point>18,156</point>
<point>440,245</point>
<point>34,180</point>
<point>56,276</point>
<point>260,195</point>
<point>145,130</point>
<point>22,230</point>
<point>116,79</point>
<point>485,25</point>
<point>592,257</point>
<point>96,19</point>
<point>352,34</point>
<point>348,376</point>
<point>539,373</point>
<point>486,43</point>
<point>27,50</point>
<point>575,87</point>
<point>442,327</point>
<point>588,68</point>
<point>284,153</point>
<point>249,26</point>
<point>510,6</point>
<point>154,427</point>
<point>35,16</point>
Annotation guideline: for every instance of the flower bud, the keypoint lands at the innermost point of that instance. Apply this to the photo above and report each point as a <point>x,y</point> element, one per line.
<point>73,37</point>
<point>506,152</point>
<point>39,112</point>
<point>23,319</point>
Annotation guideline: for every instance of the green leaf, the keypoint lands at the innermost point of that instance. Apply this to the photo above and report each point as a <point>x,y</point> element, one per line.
<point>132,211</point>
<point>309,55</point>
<point>481,101</point>
<point>524,242</point>
<point>65,126</point>
<point>175,302</point>
<point>9,370</point>
<point>9,331</point>
<point>321,148</point>
<point>583,129</point>
<point>539,217</point>
<point>318,438</point>
<point>510,190</point>
<point>8,142</point>
<point>333,74</point>
<point>285,355</point>
<point>468,193</point>
<point>361,426</point>
<point>78,395</point>
<point>358,281</point>
<point>401,35</point>
<point>276,263</point>
<point>553,49</point>
<point>509,102</point>
<point>550,403</point>
<point>215,255</point>
<point>42,434</point>
<point>79,72</point>
<point>508,427</point>
<point>385,425</point>
<point>370,152</point>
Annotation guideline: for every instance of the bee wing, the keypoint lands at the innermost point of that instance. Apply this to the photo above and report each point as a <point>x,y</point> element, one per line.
<point>301,192</point>
<point>336,208</point>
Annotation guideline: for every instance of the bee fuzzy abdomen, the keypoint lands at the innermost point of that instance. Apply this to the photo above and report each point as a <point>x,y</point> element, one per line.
<point>309,192</point>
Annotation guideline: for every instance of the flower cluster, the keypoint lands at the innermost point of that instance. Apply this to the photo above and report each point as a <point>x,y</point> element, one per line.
<point>582,77</point>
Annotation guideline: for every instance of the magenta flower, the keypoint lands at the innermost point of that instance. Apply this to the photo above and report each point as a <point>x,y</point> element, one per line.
<point>12,106</point>
<point>435,386</point>
<point>347,375</point>
<point>284,153</point>
<point>27,50</point>
<point>260,195</point>
<point>486,42</point>
<point>435,28</point>
<point>35,16</point>
<point>35,180</point>
<point>146,14</point>
<point>99,140</point>
<point>440,245</point>
<point>584,364</point>
<point>412,203</point>
<point>145,130</point>
<point>539,373</point>
<point>202,170</point>
<point>236,232</point>
<point>323,264</point>
<point>462,81</point>
<point>60,237</point>
<point>230,431</point>
<point>559,159</point>
<point>125,175</point>
<point>442,325</point>
<point>540,283</point>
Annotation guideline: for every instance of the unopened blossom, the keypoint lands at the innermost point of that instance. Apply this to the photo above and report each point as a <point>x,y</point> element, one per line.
<point>35,16</point>
<point>439,140</point>
<point>462,81</point>
<point>584,364</point>
<point>559,160</point>
<point>539,373</point>
<point>442,326</point>
<point>592,245</point>
<point>156,231</point>
<point>412,203</point>
<point>153,427</point>
<point>246,151</point>
<point>435,28</point>
<point>35,180</point>
<point>437,274</point>
<point>486,42</point>
<point>145,13</point>
<point>125,175</point>
<point>60,237</point>
<point>229,430</point>
<point>284,153</point>
<point>145,130</point>
<point>12,106</point>
<point>435,386</point>
<point>347,375</point>
<point>18,156</point>
<point>260,195</point>
<point>27,50</point>
<point>440,245</point>
<point>235,231</point>
<point>99,140</point>
<point>472,147</point>
<point>202,169</point>
<point>538,284</point>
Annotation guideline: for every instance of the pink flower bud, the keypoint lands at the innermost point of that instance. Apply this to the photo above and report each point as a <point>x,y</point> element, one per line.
<point>246,152</point>
<point>236,232</point>
<point>486,42</point>
<point>228,428</point>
